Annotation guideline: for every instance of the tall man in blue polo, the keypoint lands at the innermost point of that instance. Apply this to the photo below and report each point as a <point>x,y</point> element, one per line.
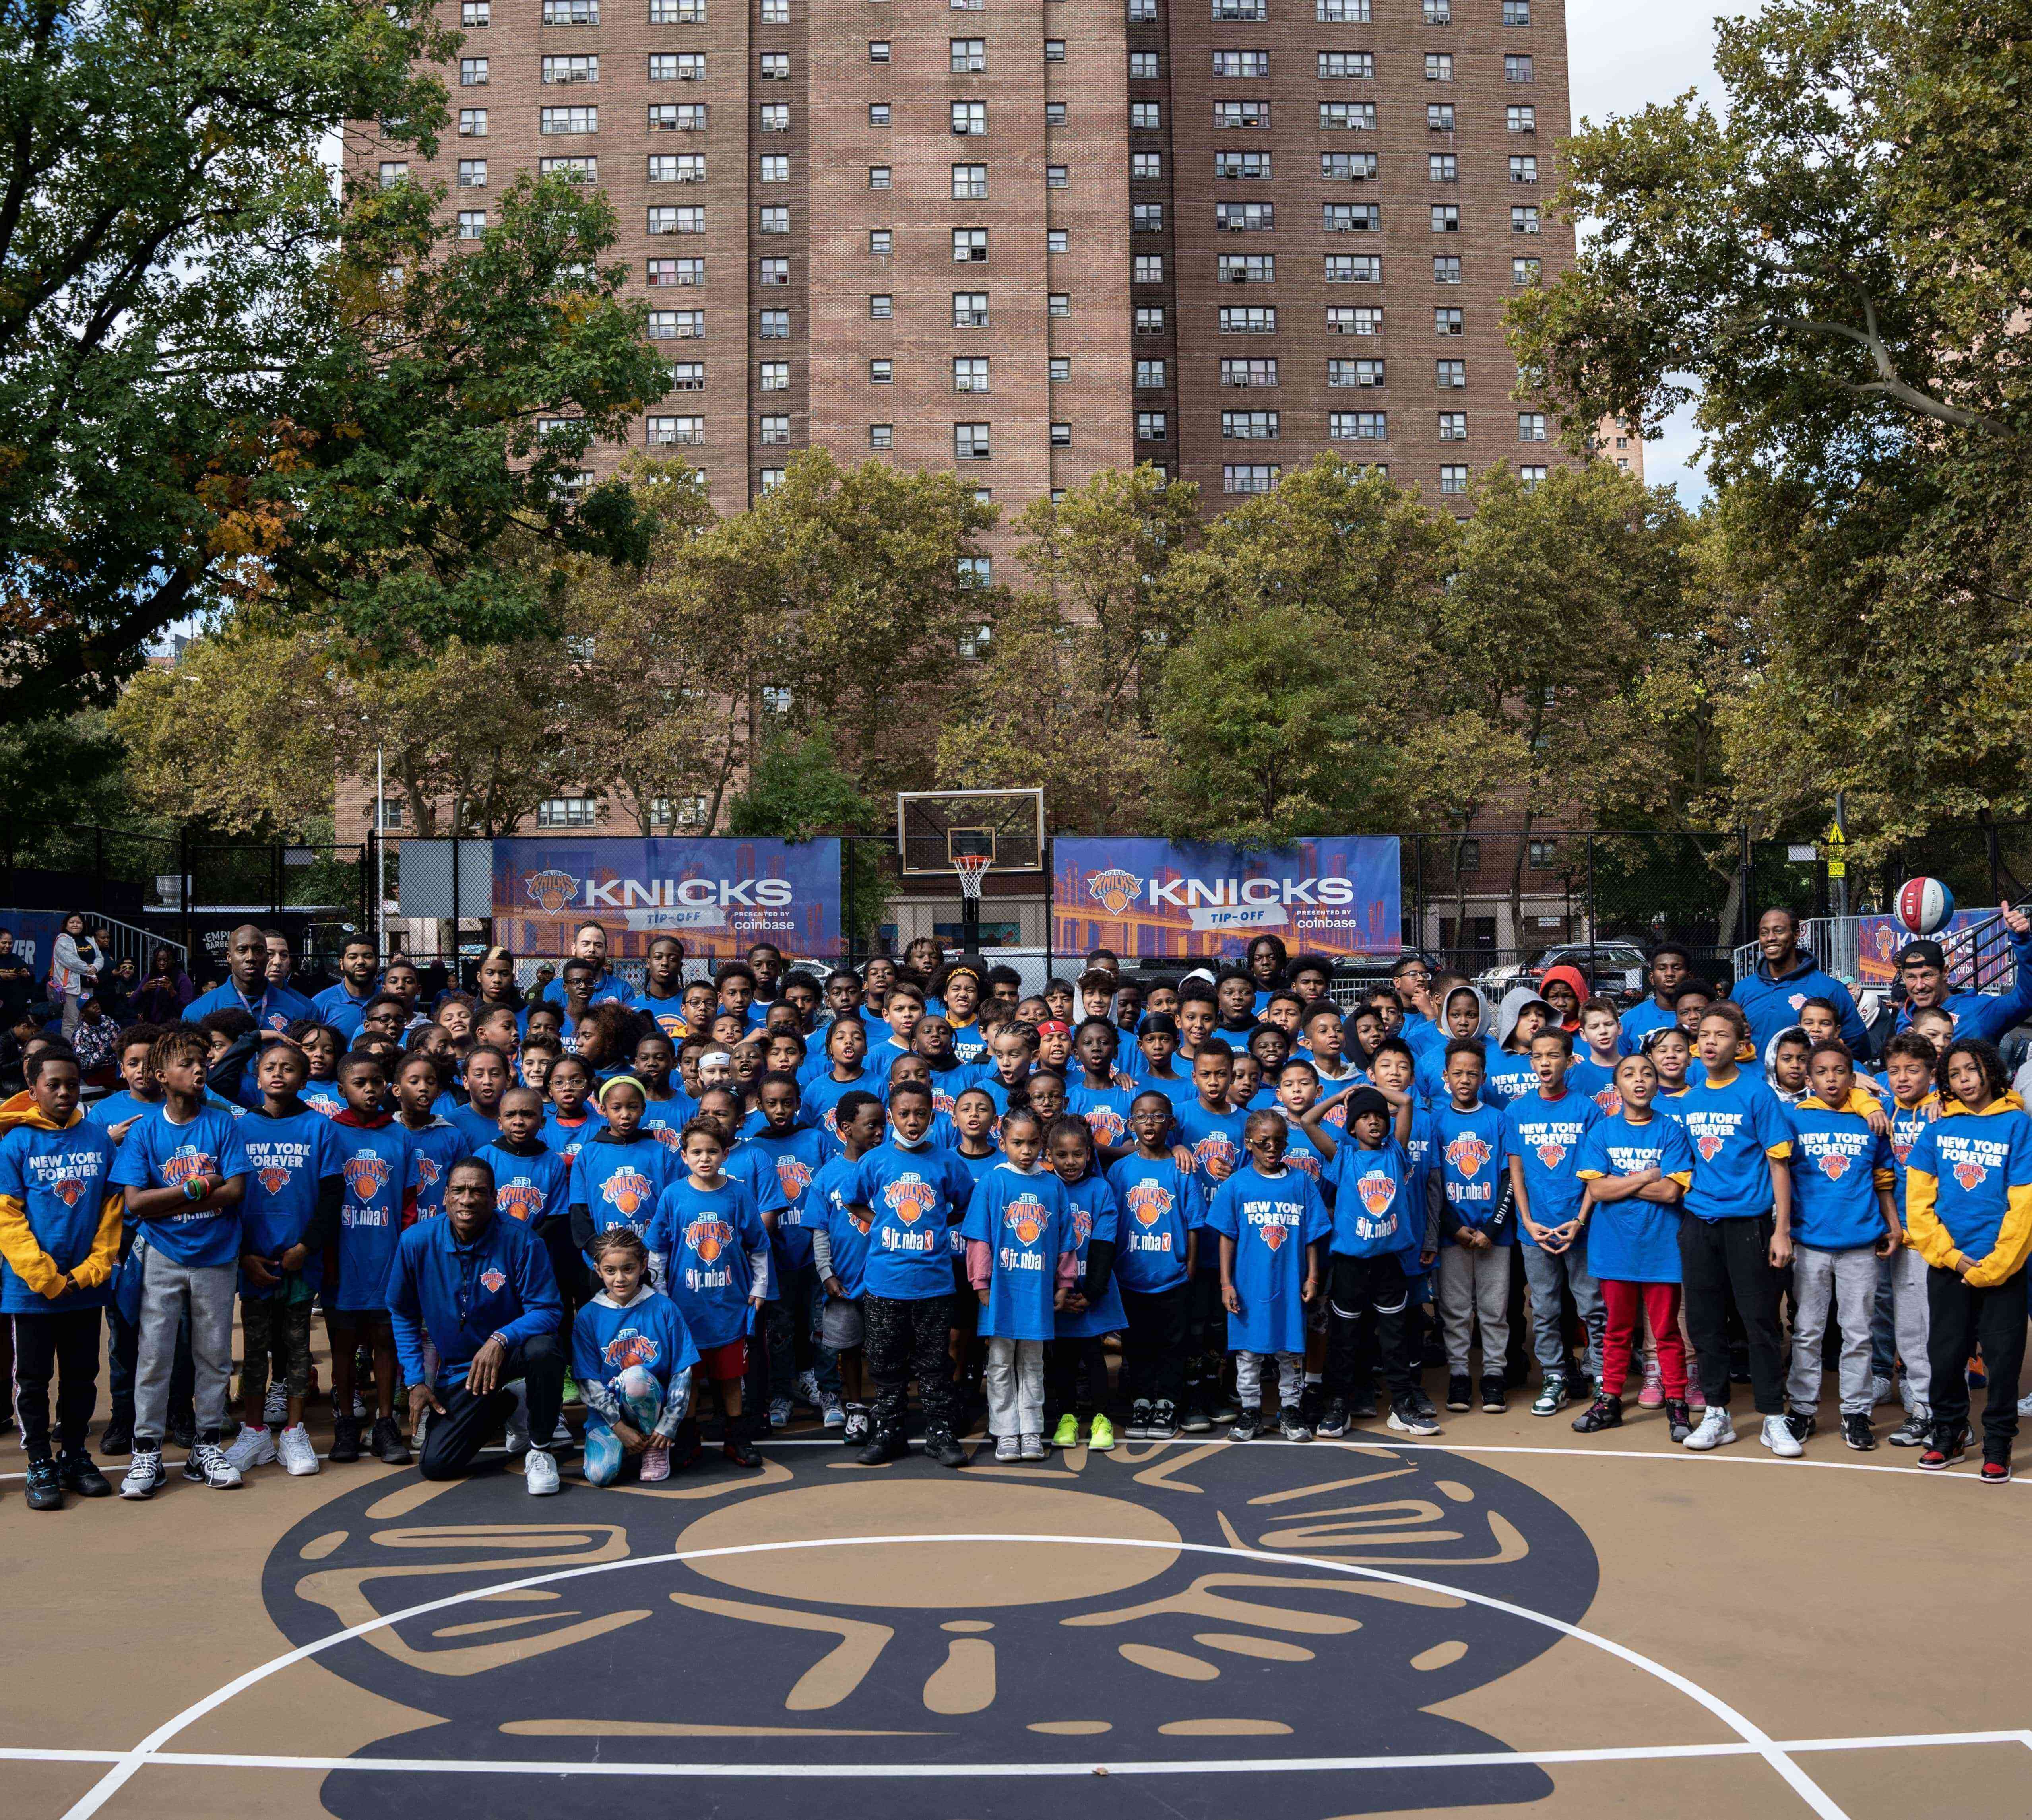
<point>480,1288</point>
<point>589,943</point>
<point>344,1005</point>
<point>248,988</point>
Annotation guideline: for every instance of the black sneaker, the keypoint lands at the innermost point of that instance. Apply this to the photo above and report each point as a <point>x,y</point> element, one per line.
<point>388,1445</point>
<point>1164,1421</point>
<point>1855,1433</point>
<point>117,1441</point>
<point>1291,1423</point>
<point>1604,1412</point>
<point>1333,1420</point>
<point>1678,1418</point>
<point>1196,1420</point>
<point>940,1446</point>
<point>884,1445</point>
<point>1494,1399</point>
<point>1802,1423</point>
<point>1361,1404</point>
<point>1248,1424</point>
<point>1421,1403</point>
<point>344,1440</point>
<point>45,1489</point>
<point>75,1468</point>
<point>1222,1407</point>
<point>1459,1391</point>
<point>1949,1447</point>
<point>1996,1464</point>
<point>1915,1430</point>
<point>183,1431</point>
<point>1137,1427</point>
<point>855,1432</point>
<point>1311,1401</point>
<point>1407,1418</point>
<point>740,1451</point>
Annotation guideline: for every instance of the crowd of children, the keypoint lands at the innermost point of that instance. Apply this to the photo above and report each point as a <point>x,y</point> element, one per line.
<point>721,1197</point>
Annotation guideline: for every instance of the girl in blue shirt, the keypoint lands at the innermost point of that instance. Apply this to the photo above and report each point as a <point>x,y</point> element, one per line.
<point>633,1356</point>
<point>1094,1309</point>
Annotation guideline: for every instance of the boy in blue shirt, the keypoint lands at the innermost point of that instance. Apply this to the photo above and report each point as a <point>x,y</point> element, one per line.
<point>1542,1134</point>
<point>60,1219</point>
<point>1210,1131</point>
<point>186,1172</point>
<point>840,1252</point>
<point>1163,1210</point>
<point>1842,1222</point>
<point>1521,1016</point>
<point>1470,1182</point>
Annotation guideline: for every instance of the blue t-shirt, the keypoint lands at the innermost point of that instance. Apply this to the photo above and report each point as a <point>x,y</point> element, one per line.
<point>1372,1209</point>
<point>827,1203</point>
<point>621,1184</point>
<point>1509,1076</point>
<point>649,1334</point>
<point>1472,1149</point>
<point>1734,1130</point>
<point>1634,1241</point>
<point>1215,1140</point>
<point>1272,1220</point>
<point>1096,1214</point>
<point>378,1166</point>
<point>821,1097</point>
<point>709,1237</point>
<point>116,1109</point>
<point>1025,1221</point>
<point>1837,1165</point>
<point>160,1153</point>
<point>274,1010</point>
<point>665,1120</point>
<point>324,1096</point>
<point>797,1156</point>
<point>337,1007</point>
<point>1161,1204</point>
<point>288,1161</point>
<point>669,1014</point>
<point>478,1128</point>
<point>1301,1152</point>
<point>1544,1135</point>
<point>1106,1111</point>
<point>528,1189</point>
<point>63,1179</point>
<point>569,1140</point>
<point>1641,1020</point>
<point>913,1195</point>
<point>1592,1081</point>
<point>432,1151</point>
<point>1906,1123</point>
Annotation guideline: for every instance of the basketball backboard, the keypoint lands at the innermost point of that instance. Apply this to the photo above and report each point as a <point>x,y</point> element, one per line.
<point>933,827</point>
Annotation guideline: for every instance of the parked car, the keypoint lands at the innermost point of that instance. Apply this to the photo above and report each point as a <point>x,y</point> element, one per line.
<point>1616,968</point>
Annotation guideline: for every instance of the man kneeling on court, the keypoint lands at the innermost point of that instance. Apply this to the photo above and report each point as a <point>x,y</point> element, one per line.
<point>479,1289</point>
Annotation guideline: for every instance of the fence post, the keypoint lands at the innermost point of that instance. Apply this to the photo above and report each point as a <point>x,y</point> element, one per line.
<point>454,894</point>
<point>1593,921</point>
<point>1051,921</point>
<point>276,856</point>
<point>99,870</point>
<point>1746,917</point>
<point>183,895</point>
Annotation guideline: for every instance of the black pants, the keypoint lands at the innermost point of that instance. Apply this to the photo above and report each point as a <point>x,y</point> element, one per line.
<point>1725,1260</point>
<point>63,1344</point>
<point>1156,1347</point>
<point>1366,1294</point>
<point>452,1439</point>
<point>1063,1360</point>
<point>904,1340</point>
<point>1957,1313</point>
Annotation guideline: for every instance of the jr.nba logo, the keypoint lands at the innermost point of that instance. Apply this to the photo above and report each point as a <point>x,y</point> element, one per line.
<point>1114,890</point>
<point>551,890</point>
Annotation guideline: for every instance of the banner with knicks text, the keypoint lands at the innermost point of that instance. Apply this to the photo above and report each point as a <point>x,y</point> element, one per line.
<point>720,897</point>
<point>1878,940</point>
<point>1150,899</point>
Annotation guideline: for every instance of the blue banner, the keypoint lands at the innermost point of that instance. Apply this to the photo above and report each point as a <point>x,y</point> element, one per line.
<point>721,897</point>
<point>1150,899</point>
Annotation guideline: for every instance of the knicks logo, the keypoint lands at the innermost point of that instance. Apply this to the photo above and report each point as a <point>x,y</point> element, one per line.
<point>366,1175</point>
<point>708,1238</point>
<point>185,1166</point>
<point>1550,1154</point>
<point>428,1174</point>
<point>1114,890</point>
<point>70,1190</point>
<point>1026,1219</point>
<point>1970,1176</point>
<point>1796,1000</point>
<point>1834,1165</point>
<point>1709,1144</point>
<point>793,1176</point>
<point>1609,1100</point>
<point>493,1281</point>
<point>910,1199</point>
<point>1105,1123</point>
<point>1273,1234</point>
<point>1149,1202</point>
<point>671,1138</point>
<point>1885,943</point>
<point>627,1192</point>
<point>1378,1189</point>
<point>275,1180</point>
<point>1217,1148</point>
<point>551,890</point>
<point>523,1201</point>
<point>1466,1154</point>
<point>628,1347</point>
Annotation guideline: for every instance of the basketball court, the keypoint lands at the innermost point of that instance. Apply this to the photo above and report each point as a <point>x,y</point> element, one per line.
<point>1505,1619</point>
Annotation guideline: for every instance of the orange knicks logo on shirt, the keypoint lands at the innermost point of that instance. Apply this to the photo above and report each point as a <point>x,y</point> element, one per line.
<point>70,1190</point>
<point>521,1200</point>
<point>1834,1165</point>
<point>366,1174</point>
<point>1377,1189</point>
<point>1105,1123</point>
<point>1549,1154</point>
<point>626,1191</point>
<point>1467,1153</point>
<point>275,1180</point>
<point>185,1166</point>
<point>628,1347</point>
<point>794,1176</point>
<point>910,1199</point>
<point>1149,1202</point>
<point>1216,1147</point>
<point>1708,1143</point>
<point>708,1238</point>
<point>1025,1218</point>
<point>492,1281</point>
<point>1970,1176</point>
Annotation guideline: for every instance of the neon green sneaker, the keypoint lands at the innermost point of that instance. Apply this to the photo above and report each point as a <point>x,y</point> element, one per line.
<point>571,1390</point>
<point>1100,1434</point>
<point>1066,1434</point>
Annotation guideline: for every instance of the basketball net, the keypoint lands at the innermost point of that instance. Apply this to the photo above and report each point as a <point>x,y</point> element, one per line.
<point>972,868</point>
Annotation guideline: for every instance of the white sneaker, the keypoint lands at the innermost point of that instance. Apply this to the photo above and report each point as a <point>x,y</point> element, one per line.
<point>1008,1447</point>
<point>299,1458</point>
<point>206,1464</point>
<point>807,1388</point>
<point>252,1447</point>
<point>359,1408</point>
<point>540,1473</point>
<point>1716,1430</point>
<point>2025,1404</point>
<point>655,1465</point>
<point>1905,1394</point>
<point>1032,1447</point>
<point>836,1416</point>
<point>1880,1391</point>
<point>779,1412</point>
<point>1778,1436</point>
<point>276,1406</point>
<point>144,1477</point>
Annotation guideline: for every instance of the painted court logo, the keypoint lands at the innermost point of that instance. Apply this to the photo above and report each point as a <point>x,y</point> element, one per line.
<point>493,1281</point>
<point>1467,1153</point>
<point>551,890</point>
<point>1149,1202</point>
<point>626,1191</point>
<point>1114,890</point>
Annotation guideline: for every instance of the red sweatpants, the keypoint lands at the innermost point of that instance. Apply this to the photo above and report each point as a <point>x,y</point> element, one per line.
<point>1660,1301</point>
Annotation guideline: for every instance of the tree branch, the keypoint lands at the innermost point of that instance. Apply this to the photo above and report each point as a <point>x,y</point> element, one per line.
<point>1888,384</point>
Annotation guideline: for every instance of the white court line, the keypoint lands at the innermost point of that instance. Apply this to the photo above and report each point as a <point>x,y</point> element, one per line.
<point>132,1761</point>
<point>1239,1765</point>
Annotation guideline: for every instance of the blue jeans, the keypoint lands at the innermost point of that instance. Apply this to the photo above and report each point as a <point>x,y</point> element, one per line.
<point>641,1399</point>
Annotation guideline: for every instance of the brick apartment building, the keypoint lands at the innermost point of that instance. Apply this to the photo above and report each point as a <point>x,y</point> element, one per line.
<point>1034,242</point>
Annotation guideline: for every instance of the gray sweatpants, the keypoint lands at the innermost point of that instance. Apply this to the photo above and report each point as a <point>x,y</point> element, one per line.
<point>1543,1270</point>
<point>1014,1381</point>
<point>1848,1280</point>
<point>169,1291</point>
<point>1475,1285</point>
<point>1249,1378</point>
<point>1915,1326</point>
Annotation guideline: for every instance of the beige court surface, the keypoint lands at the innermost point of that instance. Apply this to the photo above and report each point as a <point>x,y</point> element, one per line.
<point>1843,1635</point>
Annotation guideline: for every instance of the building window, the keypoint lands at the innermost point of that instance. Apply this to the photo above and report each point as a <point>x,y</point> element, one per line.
<point>670,432</point>
<point>1524,170</point>
<point>773,271</point>
<point>970,442</point>
<point>1344,374</point>
<point>1353,319</point>
<point>1057,303</point>
<point>1446,268</point>
<point>1341,12</point>
<point>1250,114</point>
<point>684,117</point>
<point>1453,479</point>
<point>1467,853</point>
<point>1244,216</point>
<point>1516,68</point>
<point>878,114</point>
<point>882,435</point>
<point>1524,272</point>
<point>1445,217</point>
<point>1146,217</point>
<point>1249,319</point>
<point>563,72</point>
<point>1248,426</point>
<point>774,116</point>
<point>472,123</point>
<point>1450,375</point>
<point>1441,167</point>
<point>1149,376</point>
<point>473,72</point>
<point>1348,166</point>
<point>1530,474</point>
<point>969,55</point>
<point>1142,66</point>
<point>397,171</point>
<point>969,246</point>
<point>775,66</point>
<point>1055,50</point>
<point>775,431</point>
<point>776,12</point>
<point>774,167</point>
<point>1250,476</point>
<point>969,119</point>
<point>676,12</point>
<point>969,182</point>
<point>1521,119</point>
<point>1149,320</point>
<point>1246,268</point>
<point>1056,240</point>
<point>1248,372</point>
<point>1055,114</point>
<point>1346,65</point>
<point>1347,116</point>
<point>1246,64</point>
<point>1055,177</point>
<point>689,377</point>
<point>676,325</point>
<point>677,66</point>
<point>1152,427</point>
<point>1350,217</point>
<point>881,241</point>
<point>1146,116</point>
<point>879,176</point>
<point>1517,12</point>
<point>1241,12</point>
<point>568,120</point>
<point>581,170</point>
<point>1523,219</point>
<point>774,325</point>
<point>878,50</point>
<point>881,306</point>
<point>1062,435</point>
<point>568,812</point>
<point>1358,426</point>
<point>1453,426</point>
<point>969,309</point>
<point>775,375</point>
<point>1353,268</point>
<point>1438,66</point>
<point>1242,166</point>
<point>1439,11</point>
<point>1530,426</point>
<point>767,481</point>
<point>772,220</point>
<point>1059,369</point>
<point>881,372</point>
<point>472,223</point>
<point>475,15</point>
<point>664,219</point>
<point>662,273</point>
<point>969,374</point>
<point>976,572</point>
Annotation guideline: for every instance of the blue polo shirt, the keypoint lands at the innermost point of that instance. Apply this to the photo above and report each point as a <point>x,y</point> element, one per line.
<point>459,1296</point>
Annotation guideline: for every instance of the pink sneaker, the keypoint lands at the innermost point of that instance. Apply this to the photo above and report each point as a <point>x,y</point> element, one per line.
<point>1696,1398</point>
<point>1653,1395</point>
<point>655,1465</point>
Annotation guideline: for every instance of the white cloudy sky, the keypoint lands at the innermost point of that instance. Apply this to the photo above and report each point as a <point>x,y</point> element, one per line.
<point>1622,54</point>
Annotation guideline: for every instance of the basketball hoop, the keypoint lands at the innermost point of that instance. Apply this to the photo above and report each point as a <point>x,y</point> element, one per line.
<point>972,869</point>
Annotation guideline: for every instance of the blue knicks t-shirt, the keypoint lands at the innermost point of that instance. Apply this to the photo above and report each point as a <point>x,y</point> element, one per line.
<point>649,1335</point>
<point>1470,1151</point>
<point>709,1237</point>
<point>377,1166</point>
<point>1736,1131</point>
<point>797,1156</point>
<point>528,1188</point>
<point>913,1196</point>
<point>828,1202</point>
<point>1544,1135</point>
<point>288,1161</point>
<point>1510,1076</point>
<point>1976,1160</point>
<point>1026,1222</point>
<point>1105,1110</point>
<point>1213,1138</point>
<point>63,1179</point>
<point>432,1151</point>
<point>620,1184</point>
<point>159,1154</point>
<point>1634,1241</point>
<point>1160,1204</point>
<point>1838,1164</point>
<point>1371,1210</point>
<point>1272,1220</point>
<point>1096,1214</point>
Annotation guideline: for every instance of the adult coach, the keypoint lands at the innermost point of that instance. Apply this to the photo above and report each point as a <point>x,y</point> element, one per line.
<point>344,1005</point>
<point>249,988</point>
<point>1785,978</point>
<point>1922,966</point>
<point>480,1289</point>
<point>589,943</point>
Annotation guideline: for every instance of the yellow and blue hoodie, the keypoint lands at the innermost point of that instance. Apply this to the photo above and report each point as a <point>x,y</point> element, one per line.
<point>59,1212</point>
<point>1968,1189</point>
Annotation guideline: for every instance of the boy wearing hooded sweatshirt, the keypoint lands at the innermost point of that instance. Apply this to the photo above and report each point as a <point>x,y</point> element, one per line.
<point>1464,1013</point>
<point>1565,988</point>
<point>1520,1017</point>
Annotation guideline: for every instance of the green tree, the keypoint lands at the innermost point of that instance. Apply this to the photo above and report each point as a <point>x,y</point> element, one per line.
<point>798,789</point>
